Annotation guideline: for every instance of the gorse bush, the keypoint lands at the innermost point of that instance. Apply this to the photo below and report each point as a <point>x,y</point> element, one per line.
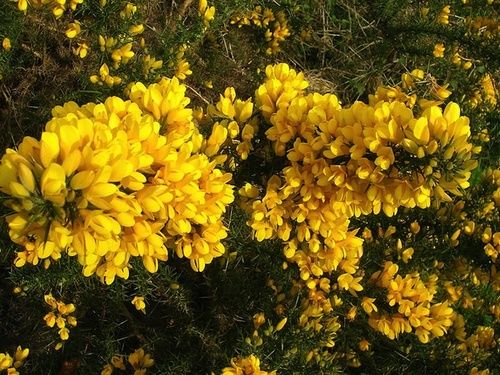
<point>84,189</point>
<point>249,187</point>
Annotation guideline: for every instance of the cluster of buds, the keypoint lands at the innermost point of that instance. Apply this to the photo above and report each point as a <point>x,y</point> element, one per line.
<point>60,316</point>
<point>275,26</point>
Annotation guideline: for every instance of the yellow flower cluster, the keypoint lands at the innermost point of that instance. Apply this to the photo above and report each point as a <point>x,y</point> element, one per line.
<point>181,65</point>
<point>486,94</point>
<point>116,180</point>
<point>353,161</point>
<point>409,80</point>
<point>139,360</point>
<point>275,26</point>
<point>246,366</point>
<point>477,219</point>
<point>258,321</point>
<point>412,298</point>
<point>11,364</point>
<point>150,64</point>
<point>345,162</point>
<point>206,12</point>
<point>105,77</point>
<point>443,16</point>
<point>477,346</point>
<point>58,7</point>
<point>484,26</point>
<point>60,316</point>
<point>233,124</point>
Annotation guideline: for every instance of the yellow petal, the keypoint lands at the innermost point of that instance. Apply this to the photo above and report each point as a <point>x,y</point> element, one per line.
<point>82,180</point>
<point>18,190</point>
<point>45,250</point>
<point>49,148</point>
<point>72,162</point>
<point>26,177</point>
<point>150,263</point>
<point>421,130</point>
<point>452,112</point>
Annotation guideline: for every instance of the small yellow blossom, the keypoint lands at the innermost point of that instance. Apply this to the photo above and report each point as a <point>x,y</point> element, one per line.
<point>139,303</point>
<point>281,324</point>
<point>136,29</point>
<point>140,360</point>
<point>73,29</point>
<point>6,45</point>
<point>183,70</point>
<point>439,49</point>
<point>81,50</point>
<point>364,345</point>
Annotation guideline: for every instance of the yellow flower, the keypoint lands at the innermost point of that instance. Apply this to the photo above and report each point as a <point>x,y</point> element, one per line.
<point>444,15</point>
<point>248,365</point>
<point>348,282</point>
<point>122,54</point>
<point>64,333</point>
<point>209,14</point>
<point>259,319</point>
<point>6,361</point>
<point>407,254</point>
<point>140,360</point>
<point>439,49</point>
<point>368,305</point>
<point>82,50</point>
<point>139,303</point>
<point>107,369</point>
<point>183,70</point>
<point>73,30</point>
<point>202,6</point>
<point>249,191</point>
<point>441,92</point>
<point>6,44</point>
<point>118,362</point>
<point>128,11</point>
<point>364,345</point>
<point>53,184</point>
<point>22,5</point>
<point>281,324</point>
<point>467,65</point>
<point>136,29</point>
<point>20,356</point>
